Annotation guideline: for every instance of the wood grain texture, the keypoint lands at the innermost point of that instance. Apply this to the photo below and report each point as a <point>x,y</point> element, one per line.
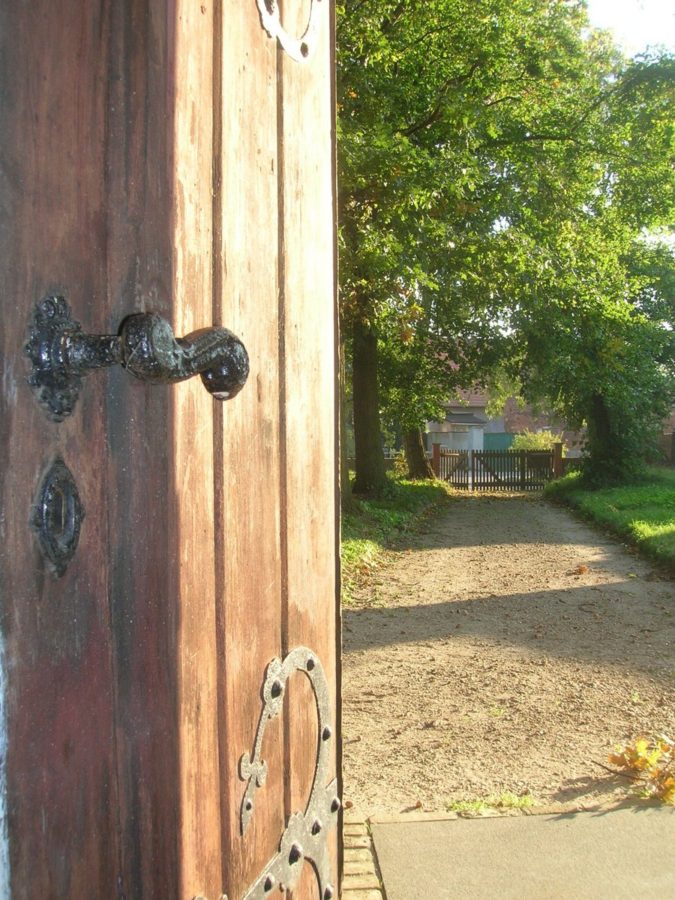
<point>193,457</point>
<point>62,793</point>
<point>248,484</point>
<point>165,157</point>
<point>308,291</point>
<point>143,556</point>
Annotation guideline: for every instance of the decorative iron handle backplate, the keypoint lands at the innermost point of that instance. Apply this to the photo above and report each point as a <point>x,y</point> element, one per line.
<point>62,354</point>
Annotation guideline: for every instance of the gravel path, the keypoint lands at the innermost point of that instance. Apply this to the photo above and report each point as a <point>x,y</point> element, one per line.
<point>506,647</point>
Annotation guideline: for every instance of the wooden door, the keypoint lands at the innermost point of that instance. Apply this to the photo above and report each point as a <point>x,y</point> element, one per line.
<point>168,698</point>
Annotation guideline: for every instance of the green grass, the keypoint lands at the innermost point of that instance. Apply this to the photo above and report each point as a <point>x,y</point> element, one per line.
<point>372,525</point>
<point>643,513</point>
<point>505,800</point>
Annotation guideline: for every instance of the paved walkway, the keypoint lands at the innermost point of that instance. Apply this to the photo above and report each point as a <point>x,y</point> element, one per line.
<point>624,854</point>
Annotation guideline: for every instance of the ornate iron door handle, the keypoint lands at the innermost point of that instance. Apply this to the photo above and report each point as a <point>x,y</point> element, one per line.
<point>62,355</point>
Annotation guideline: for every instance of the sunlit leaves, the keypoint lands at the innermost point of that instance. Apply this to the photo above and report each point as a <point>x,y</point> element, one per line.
<point>652,764</point>
<point>497,161</point>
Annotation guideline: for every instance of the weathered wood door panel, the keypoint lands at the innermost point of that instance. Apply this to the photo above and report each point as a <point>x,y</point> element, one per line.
<point>308,384</point>
<point>250,524</point>
<point>173,158</point>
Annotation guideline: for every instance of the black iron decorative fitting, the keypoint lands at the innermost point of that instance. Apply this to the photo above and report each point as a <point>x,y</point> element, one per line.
<point>305,836</point>
<point>61,355</point>
<point>299,48</point>
<point>57,516</point>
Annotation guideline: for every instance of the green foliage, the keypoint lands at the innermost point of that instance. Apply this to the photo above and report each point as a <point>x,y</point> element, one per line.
<point>643,513</point>
<point>373,524</point>
<point>536,440</point>
<point>452,116</point>
<point>562,488</point>
<point>591,338</point>
<point>498,163</point>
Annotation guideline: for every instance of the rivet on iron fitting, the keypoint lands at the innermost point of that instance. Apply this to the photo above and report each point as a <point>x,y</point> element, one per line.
<point>295,855</point>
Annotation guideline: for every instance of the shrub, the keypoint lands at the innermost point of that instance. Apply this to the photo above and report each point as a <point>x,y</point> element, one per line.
<point>536,440</point>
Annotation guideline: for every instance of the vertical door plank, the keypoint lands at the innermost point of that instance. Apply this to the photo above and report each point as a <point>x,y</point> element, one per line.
<point>61,786</point>
<point>248,486</point>
<point>310,376</point>
<point>193,456</point>
<point>142,667</point>
<point>144,563</point>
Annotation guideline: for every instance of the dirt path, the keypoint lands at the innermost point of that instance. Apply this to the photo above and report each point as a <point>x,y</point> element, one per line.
<point>507,647</point>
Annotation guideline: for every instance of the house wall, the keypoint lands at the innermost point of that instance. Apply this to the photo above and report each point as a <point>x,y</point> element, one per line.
<point>495,426</point>
<point>458,440</point>
<point>515,419</point>
<point>497,441</point>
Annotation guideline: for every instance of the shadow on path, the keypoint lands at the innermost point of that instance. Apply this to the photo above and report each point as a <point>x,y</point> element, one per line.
<point>598,623</point>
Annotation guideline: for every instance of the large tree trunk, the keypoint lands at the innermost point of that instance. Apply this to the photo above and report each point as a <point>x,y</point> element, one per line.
<point>418,464</point>
<point>370,472</point>
<point>600,429</point>
<point>607,463</point>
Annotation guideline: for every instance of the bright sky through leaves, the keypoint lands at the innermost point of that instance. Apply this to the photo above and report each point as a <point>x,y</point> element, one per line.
<point>636,24</point>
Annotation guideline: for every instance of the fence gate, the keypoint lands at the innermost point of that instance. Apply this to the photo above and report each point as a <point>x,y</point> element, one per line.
<point>168,655</point>
<point>453,466</point>
<point>497,470</point>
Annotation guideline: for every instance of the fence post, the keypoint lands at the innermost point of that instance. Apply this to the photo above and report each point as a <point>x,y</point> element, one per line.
<point>523,469</point>
<point>557,460</point>
<point>436,459</point>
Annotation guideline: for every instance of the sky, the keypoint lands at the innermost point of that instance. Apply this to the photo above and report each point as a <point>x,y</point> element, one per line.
<point>636,23</point>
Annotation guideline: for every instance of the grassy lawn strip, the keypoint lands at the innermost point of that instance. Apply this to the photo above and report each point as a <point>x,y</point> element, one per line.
<point>644,513</point>
<point>371,526</point>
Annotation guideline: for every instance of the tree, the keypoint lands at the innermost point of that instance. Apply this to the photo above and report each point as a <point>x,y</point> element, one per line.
<point>454,116</point>
<point>582,339</point>
<point>590,301</point>
<point>472,137</point>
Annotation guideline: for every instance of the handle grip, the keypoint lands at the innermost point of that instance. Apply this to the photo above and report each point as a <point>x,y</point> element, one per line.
<point>145,346</point>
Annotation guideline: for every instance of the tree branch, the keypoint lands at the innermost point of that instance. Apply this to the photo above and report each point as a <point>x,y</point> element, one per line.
<point>434,114</point>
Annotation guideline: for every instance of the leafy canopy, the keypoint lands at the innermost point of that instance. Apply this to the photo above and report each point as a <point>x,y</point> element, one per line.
<point>498,162</point>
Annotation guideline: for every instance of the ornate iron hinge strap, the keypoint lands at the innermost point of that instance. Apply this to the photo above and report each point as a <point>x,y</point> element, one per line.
<point>299,48</point>
<point>305,835</point>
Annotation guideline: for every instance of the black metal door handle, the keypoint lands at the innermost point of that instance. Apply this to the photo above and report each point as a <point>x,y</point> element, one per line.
<point>145,345</point>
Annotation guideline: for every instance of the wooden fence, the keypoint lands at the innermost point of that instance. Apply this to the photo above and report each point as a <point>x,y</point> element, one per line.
<point>452,466</point>
<point>497,470</point>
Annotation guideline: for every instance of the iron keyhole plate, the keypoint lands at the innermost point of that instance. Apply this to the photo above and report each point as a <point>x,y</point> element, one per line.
<point>57,516</point>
